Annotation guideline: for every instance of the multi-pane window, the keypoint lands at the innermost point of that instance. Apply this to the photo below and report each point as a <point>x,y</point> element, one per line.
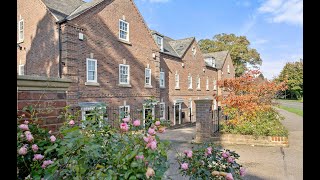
<point>123,30</point>
<point>198,82</point>
<point>162,110</point>
<point>21,69</point>
<point>189,82</point>
<point>162,82</point>
<point>177,81</point>
<point>160,42</point>
<point>124,111</point>
<point>91,70</point>
<point>124,71</point>
<point>214,84</point>
<point>207,84</point>
<point>21,30</point>
<point>148,77</point>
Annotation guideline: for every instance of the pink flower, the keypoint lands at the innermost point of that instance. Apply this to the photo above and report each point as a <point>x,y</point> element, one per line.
<point>23,150</point>
<point>229,176</point>
<point>188,153</point>
<point>38,157</point>
<point>126,120</point>
<point>24,127</point>
<point>46,163</point>
<point>139,157</point>
<point>151,131</point>
<point>157,123</point>
<point>184,166</point>
<point>136,123</point>
<point>26,122</point>
<point>242,171</point>
<point>27,133</point>
<point>71,122</point>
<point>209,149</point>
<point>146,139</point>
<point>29,137</point>
<point>21,135</point>
<point>52,138</point>
<point>35,148</point>
<point>230,159</point>
<point>225,155</point>
<point>153,145</point>
<point>150,172</point>
<point>124,127</point>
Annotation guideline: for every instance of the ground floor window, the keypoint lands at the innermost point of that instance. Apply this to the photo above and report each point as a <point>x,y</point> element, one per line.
<point>124,111</point>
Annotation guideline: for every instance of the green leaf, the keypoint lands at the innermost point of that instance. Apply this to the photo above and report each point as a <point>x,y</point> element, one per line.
<point>132,177</point>
<point>126,175</point>
<point>51,148</point>
<point>134,164</point>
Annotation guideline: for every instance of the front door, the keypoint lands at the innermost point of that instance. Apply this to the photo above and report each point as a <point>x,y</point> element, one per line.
<point>148,116</point>
<point>177,113</point>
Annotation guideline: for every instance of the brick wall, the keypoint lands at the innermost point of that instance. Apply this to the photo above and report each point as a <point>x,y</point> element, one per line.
<point>204,124</point>
<point>46,95</point>
<point>39,51</point>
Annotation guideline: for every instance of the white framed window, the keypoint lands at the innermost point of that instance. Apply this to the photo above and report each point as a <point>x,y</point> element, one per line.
<point>91,70</point>
<point>215,107</point>
<point>21,31</point>
<point>123,30</point>
<point>124,74</point>
<point>198,82</point>
<point>162,80</point>
<point>190,108</point>
<point>21,69</point>
<point>228,68</point>
<point>177,83</point>
<point>207,84</point>
<point>160,42</point>
<point>147,73</point>
<point>124,111</point>
<point>194,50</point>
<point>162,110</point>
<point>214,84</point>
<point>189,81</point>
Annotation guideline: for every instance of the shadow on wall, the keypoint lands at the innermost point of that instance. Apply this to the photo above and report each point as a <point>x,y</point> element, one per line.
<point>109,52</point>
<point>42,57</point>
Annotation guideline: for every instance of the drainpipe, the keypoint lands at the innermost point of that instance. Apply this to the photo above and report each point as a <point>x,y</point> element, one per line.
<point>60,46</point>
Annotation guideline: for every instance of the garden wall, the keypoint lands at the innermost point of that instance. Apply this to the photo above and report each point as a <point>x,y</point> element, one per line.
<point>43,94</point>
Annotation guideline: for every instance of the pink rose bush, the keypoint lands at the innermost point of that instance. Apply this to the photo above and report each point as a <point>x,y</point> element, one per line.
<point>205,161</point>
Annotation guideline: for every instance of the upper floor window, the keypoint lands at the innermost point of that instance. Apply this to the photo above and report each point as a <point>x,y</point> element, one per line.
<point>228,68</point>
<point>207,84</point>
<point>198,82</point>
<point>21,31</point>
<point>194,50</point>
<point>91,70</point>
<point>147,77</point>
<point>124,72</point>
<point>160,42</point>
<point>177,83</point>
<point>189,82</point>
<point>123,30</point>
<point>214,84</point>
<point>21,69</point>
<point>162,81</point>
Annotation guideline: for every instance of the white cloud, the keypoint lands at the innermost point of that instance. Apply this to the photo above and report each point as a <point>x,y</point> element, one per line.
<point>283,11</point>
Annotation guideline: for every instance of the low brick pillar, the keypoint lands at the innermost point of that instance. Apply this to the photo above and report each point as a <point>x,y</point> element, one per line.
<point>43,94</point>
<point>204,123</point>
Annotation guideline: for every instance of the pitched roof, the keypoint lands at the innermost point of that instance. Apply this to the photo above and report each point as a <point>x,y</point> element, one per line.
<point>83,8</point>
<point>173,47</point>
<point>219,57</point>
<point>62,8</point>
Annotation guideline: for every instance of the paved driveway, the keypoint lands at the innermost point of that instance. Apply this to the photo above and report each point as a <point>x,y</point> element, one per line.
<point>265,163</point>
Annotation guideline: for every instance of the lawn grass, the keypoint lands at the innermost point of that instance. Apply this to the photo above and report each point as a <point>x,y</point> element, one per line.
<point>293,110</point>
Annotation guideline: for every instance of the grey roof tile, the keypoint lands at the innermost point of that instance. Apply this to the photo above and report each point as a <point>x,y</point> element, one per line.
<point>83,8</point>
<point>62,8</point>
<point>219,57</point>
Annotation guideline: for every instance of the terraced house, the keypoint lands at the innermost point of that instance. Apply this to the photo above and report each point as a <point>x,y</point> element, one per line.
<point>111,57</point>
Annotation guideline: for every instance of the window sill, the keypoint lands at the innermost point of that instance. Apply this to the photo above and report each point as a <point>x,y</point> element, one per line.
<point>91,84</point>
<point>125,42</point>
<point>124,85</point>
<point>162,87</point>
<point>190,89</point>
<point>208,89</point>
<point>19,42</point>
<point>148,86</point>
<point>214,90</point>
<point>198,89</point>
<point>177,88</point>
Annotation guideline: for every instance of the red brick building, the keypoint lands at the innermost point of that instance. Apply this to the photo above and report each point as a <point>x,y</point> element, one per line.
<point>111,57</point>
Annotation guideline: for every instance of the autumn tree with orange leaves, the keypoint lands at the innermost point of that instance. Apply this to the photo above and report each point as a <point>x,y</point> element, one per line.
<point>248,96</point>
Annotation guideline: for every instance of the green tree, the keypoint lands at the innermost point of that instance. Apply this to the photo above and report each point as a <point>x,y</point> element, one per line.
<point>293,73</point>
<point>238,46</point>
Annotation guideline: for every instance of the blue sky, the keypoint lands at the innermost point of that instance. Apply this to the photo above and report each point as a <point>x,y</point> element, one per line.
<point>274,27</point>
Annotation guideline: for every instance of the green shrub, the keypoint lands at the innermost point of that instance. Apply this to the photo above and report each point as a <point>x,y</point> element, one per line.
<point>266,123</point>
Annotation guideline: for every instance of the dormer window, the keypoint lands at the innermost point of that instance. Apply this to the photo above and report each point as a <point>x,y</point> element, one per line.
<point>213,62</point>
<point>160,42</point>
